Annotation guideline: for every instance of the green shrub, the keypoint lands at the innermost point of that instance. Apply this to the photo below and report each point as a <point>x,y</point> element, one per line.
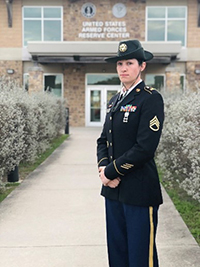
<point>28,123</point>
<point>178,154</point>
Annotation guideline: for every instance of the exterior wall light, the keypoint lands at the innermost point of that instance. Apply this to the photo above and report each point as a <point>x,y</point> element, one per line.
<point>197,69</point>
<point>10,71</point>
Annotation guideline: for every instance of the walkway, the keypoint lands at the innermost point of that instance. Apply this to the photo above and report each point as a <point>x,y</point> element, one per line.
<point>55,218</point>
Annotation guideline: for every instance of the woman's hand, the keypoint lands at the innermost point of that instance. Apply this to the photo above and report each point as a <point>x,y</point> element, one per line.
<point>107,182</point>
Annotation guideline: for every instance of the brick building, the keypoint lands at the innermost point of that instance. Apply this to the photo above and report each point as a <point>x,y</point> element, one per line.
<point>60,46</point>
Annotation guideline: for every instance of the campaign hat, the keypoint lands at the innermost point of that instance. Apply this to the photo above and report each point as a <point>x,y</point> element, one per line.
<point>130,49</point>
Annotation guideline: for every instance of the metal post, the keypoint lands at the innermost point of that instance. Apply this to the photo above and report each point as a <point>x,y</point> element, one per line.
<point>67,121</point>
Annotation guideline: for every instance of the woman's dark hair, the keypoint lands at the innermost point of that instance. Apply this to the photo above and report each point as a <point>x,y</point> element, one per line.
<point>140,61</point>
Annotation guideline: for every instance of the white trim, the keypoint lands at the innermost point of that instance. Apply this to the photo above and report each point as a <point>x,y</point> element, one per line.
<point>97,48</point>
<point>166,19</point>
<point>42,19</point>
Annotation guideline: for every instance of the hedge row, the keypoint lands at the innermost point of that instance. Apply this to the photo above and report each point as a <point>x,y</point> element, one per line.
<point>179,150</point>
<point>28,122</point>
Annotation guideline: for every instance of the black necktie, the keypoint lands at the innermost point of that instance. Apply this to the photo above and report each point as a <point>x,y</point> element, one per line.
<point>120,99</point>
<point>123,95</point>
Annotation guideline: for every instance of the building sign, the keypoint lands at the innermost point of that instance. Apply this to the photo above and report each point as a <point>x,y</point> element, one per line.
<point>88,10</point>
<point>119,10</point>
<point>104,29</point>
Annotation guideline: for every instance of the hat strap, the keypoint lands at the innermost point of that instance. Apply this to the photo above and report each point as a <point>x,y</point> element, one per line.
<point>133,82</point>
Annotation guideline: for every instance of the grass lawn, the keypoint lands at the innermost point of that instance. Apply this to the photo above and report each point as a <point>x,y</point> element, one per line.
<point>26,168</point>
<point>188,208</point>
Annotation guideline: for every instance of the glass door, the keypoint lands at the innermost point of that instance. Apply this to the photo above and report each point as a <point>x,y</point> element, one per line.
<point>99,90</point>
<point>97,98</point>
<point>95,105</point>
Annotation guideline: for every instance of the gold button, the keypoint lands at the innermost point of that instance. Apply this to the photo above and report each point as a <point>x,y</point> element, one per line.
<point>110,131</point>
<point>111,157</point>
<point>110,118</point>
<point>110,144</point>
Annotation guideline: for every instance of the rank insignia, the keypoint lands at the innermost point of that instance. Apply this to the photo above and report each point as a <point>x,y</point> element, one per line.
<point>123,48</point>
<point>138,90</point>
<point>154,124</point>
<point>128,108</point>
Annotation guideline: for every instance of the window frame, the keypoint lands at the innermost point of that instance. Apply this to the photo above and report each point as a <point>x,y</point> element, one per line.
<point>183,75</point>
<point>42,19</point>
<point>166,19</point>
<point>62,82</point>
<point>157,74</point>
<point>26,76</point>
<point>112,75</point>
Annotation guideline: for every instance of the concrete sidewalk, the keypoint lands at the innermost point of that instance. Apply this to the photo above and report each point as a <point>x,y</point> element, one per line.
<point>55,218</point>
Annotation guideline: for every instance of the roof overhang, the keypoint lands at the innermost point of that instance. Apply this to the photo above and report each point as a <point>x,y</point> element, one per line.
<point>95,51</point>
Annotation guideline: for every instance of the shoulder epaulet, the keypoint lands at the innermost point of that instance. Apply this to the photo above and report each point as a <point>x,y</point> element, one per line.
<point>149,89</point>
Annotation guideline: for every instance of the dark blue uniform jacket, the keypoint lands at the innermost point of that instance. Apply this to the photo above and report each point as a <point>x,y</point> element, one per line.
<point>127,145</point>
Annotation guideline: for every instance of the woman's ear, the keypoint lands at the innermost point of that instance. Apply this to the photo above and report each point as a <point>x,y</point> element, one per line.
<point>143,66</point>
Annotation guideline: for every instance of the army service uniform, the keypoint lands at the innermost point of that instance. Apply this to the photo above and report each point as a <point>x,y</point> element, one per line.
<point>127,146</point>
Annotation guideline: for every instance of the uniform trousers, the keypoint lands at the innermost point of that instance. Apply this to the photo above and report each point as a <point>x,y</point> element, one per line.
<point>131,232</point>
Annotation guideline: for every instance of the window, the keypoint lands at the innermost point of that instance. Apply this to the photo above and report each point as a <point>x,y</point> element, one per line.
<point>101,79</point>
<point>26,81</point>
<point>53,83</point>
<point>155,80</point>
<point>166,24</point>
<point>182,81</point>
<point>42,24</point>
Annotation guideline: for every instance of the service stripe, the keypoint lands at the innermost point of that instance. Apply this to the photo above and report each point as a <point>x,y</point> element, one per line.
<point>151,243</point>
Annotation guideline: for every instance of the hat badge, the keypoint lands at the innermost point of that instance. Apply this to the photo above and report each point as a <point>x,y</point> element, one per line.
<point>122,47</point>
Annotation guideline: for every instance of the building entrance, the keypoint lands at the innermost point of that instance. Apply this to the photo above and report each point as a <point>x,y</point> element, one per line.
<point>97,98</point>
<point>99,90</point>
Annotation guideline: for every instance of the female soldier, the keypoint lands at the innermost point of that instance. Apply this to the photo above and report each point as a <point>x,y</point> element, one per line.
<point>125,151</point>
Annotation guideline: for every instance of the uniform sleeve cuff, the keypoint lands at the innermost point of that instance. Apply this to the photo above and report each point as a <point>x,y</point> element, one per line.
<point>103,162</point>
<point>112,172</point>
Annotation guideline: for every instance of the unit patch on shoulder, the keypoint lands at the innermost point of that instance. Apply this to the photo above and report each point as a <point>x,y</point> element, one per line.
<point>154,124</point>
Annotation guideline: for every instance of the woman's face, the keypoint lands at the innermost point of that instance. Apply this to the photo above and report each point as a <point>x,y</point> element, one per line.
<point>129,71</point>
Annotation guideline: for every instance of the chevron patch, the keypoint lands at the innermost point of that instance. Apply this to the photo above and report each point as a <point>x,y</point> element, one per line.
<point>127,166</point>
<point>154,124</point>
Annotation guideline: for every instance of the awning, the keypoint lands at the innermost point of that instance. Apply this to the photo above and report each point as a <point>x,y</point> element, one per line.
<point>95,51</point>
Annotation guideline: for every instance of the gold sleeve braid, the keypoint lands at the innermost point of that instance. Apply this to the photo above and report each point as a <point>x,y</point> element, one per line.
<point>116,168</point>
<point>102,160</point>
